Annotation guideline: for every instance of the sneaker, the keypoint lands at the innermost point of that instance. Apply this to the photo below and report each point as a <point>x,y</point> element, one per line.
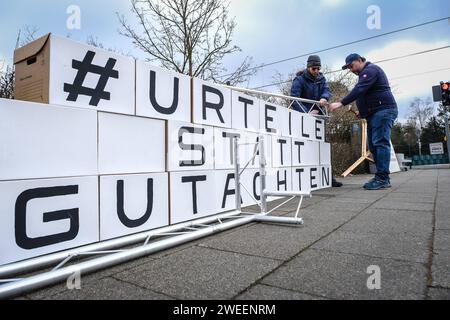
<point>377,185</point>
<point>336,184</point>
<point>369,182</point>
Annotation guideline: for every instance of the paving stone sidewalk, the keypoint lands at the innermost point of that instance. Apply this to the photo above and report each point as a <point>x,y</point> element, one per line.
<point>405,231</point>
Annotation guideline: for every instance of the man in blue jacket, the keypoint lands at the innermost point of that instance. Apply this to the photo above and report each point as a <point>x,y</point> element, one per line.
<point>311,84</point>
<point>377,105</point>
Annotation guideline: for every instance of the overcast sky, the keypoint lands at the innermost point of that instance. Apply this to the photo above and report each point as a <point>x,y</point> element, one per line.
<point>271,30</point>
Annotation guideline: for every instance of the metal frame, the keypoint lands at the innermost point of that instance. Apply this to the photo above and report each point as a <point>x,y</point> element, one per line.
<point>111,255</point>
<point>292,99</point>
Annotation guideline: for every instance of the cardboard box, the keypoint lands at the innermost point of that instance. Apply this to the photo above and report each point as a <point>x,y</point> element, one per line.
<point>60,71</point>
<point>32,64</point>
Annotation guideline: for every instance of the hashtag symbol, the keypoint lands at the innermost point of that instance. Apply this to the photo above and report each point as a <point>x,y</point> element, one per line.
<point>84,67</point>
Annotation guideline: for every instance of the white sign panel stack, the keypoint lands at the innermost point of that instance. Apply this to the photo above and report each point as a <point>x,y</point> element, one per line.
<point>110,156</point>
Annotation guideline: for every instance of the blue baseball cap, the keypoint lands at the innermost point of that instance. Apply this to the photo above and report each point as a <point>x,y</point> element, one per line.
<point>352,57</point>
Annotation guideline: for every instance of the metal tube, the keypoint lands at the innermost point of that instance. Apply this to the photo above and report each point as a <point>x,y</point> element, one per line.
<point>237,175</point>
<point>286,194</point>
<point>262,174</point>
<point>284,220</point>
<point>243,90</point>
<point>251,196</point>
<point>50,278</point>
<point>45,261</point>
<point>279,206</point>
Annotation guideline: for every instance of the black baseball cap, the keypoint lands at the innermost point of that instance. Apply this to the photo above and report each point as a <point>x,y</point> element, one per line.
<point>352,57</point>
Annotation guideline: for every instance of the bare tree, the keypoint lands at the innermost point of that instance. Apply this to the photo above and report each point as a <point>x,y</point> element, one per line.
<point>7,83</point>
<point>95,42</point>
<point>7,73</point>
<point>420,112</point>
<point>188,36</point>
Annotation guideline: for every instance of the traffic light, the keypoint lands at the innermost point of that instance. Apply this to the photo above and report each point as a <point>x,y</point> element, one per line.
<point>445,90</point>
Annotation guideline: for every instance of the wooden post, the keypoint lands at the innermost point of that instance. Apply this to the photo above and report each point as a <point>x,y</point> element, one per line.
<point>365,153</point>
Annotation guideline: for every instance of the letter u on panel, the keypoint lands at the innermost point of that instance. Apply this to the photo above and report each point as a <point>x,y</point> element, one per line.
<point>162,94</point>
<point>133,203</point>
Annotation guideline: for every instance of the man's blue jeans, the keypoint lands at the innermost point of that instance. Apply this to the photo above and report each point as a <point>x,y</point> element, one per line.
<point>379,127</point>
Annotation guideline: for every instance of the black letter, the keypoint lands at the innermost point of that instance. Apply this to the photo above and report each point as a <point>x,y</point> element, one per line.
<point>325,176</point>
<point>210,105</point>
<point>194,181</point>
<point>23,240</point>
<point>246,103</point>
<point>231,136</point>
<point>305,135</point>
<point>155,104</point>
<point>281,142</point>
<point>255,194</point>
<point>192,147</point>
<point>299,144</point>
<point>300,171</point>
<point>313,186</point>
<point>227,191</point>
<point>269,119</point>
<point>318,129</point>
<point>120,206</point>
<point>282,182</point>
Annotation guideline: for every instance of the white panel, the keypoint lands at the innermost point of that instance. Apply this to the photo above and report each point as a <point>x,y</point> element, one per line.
<point>190,147</point>
<point>69,58</point>
<point>41,141</point>
<point>191,200</point>
<point>133,203</point>
<point>394,165</point>
<point>252,181</point>
<point>301,179</point>
<point>279,179</point>
<point>224,151</point>
<point>281,151</point>
<point>305,153</point>
<point>319,130</point>
<point>130,144</point>
<point>227,200</point>
<point>25,206</point>
<point>212,104</point>
<point>167,97</point>
<point>307,126</point>
<point>325,153</point>
<point>315,177</point>
<point>245,112</point>
<point>270,118</point>
<point>326,177</point>
<point>285,121</point>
